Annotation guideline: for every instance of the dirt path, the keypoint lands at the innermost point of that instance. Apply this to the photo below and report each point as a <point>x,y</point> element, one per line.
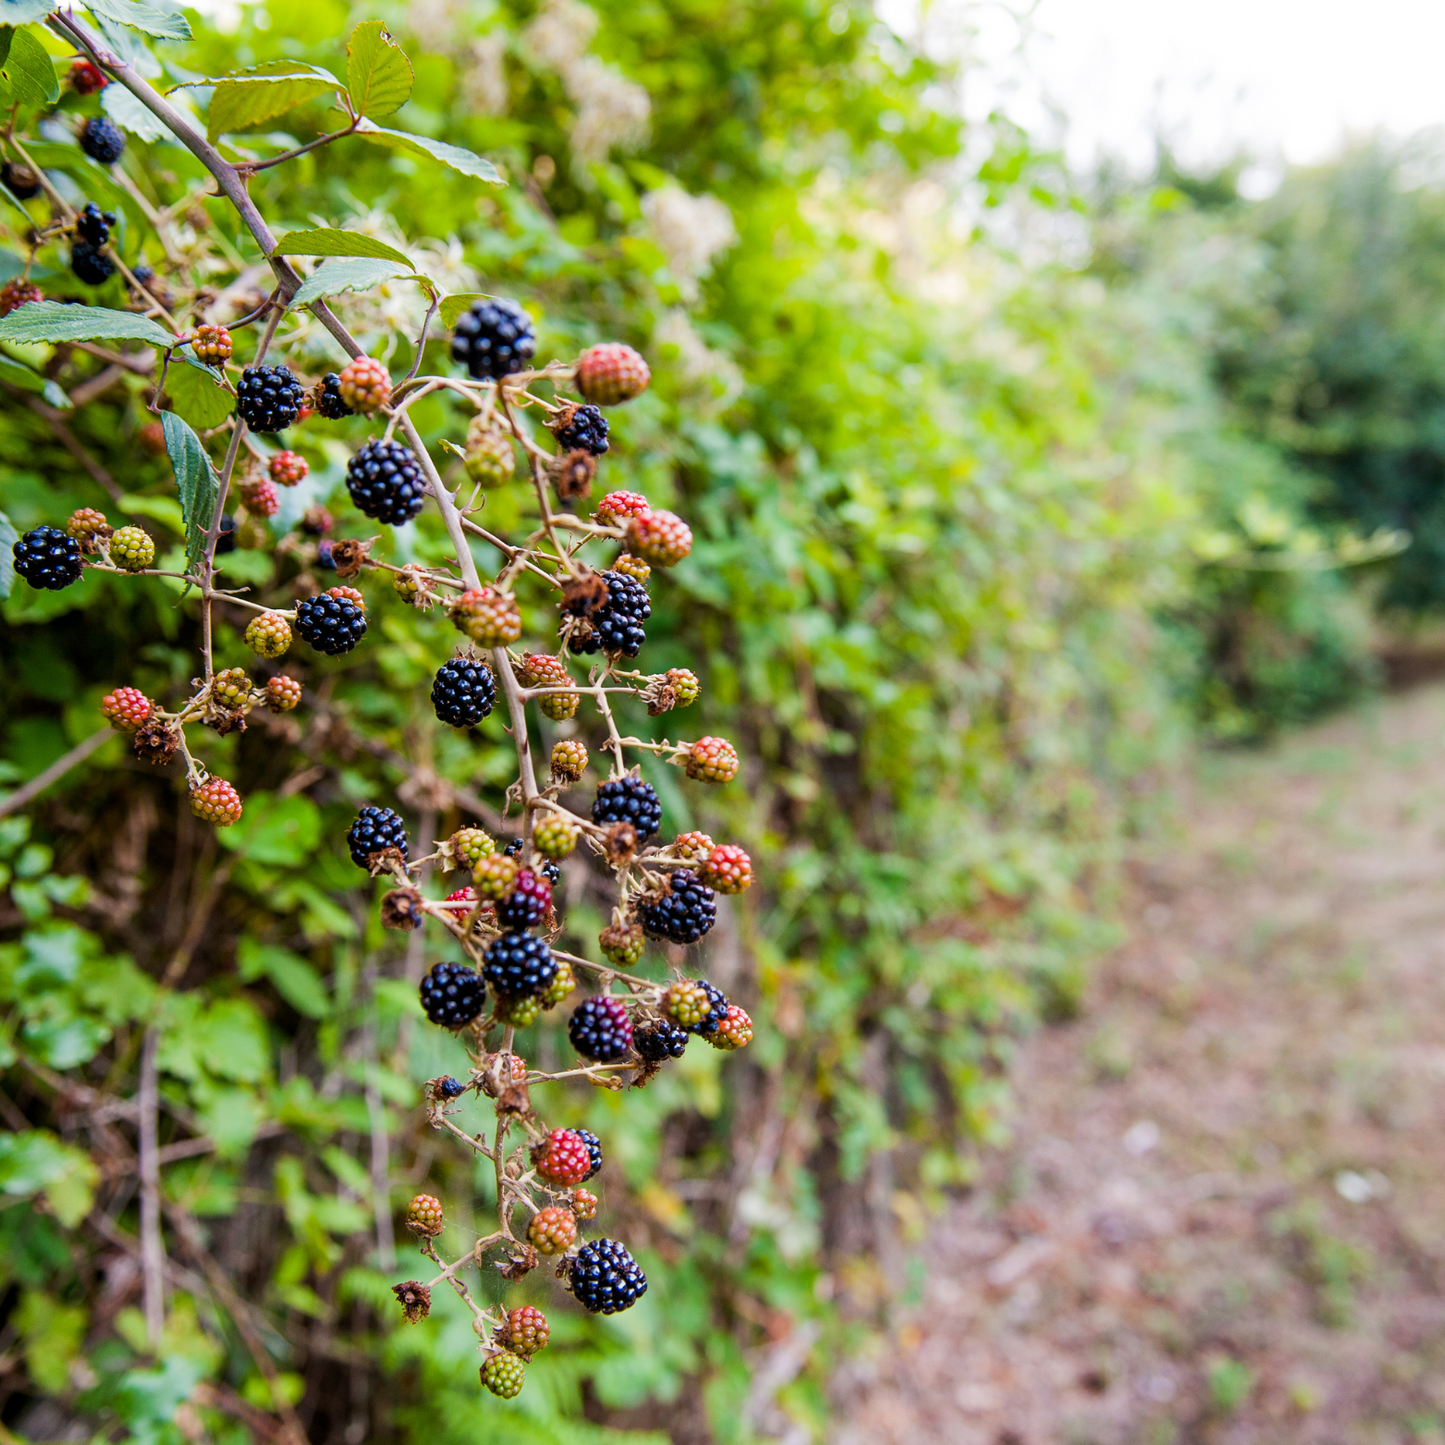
<point>1224,1216</point>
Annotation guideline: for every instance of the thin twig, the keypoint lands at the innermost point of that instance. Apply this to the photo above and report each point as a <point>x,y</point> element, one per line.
<point>58,769</point>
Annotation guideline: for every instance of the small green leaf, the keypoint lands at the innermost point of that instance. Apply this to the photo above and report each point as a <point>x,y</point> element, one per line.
<point>196,482</point>
<point>336,243</point>
<point>283,833</point>
<point>29,70</point>
<point>160,509</point>
<point>163,24</point>
<point>453,308</point>
<point>17,374</point>
<point>36,1160</point>
<point>253,96</point>
<point>291,976</point>
<point>8,538</point>
<point>195,390</point>
<point>54,321</point>
<point>129,114</point>
<point>336,277</point>
<point>379,77</point>
<point>465,161</point>
<point>26,12</point>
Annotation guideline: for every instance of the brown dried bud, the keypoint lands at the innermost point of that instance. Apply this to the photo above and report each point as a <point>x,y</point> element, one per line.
<point>660,697</point>
<point>156,742</point>
<point>622,942</point>
<point>415,1299</point>
<point>621,844</point>
<point>499,1073</point>
<point>521,1263</point>
<point>572,474</point>
<point>584,594</point>
<point>399,909</point>
<point>349,555</point>
<point>387,860</point>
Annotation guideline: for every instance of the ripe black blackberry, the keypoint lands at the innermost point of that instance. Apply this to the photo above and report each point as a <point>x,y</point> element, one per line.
<point>226,537</point>
<point>659,1039</point>
<point>514,848</point>
<point>268,398</point>
<point>452,995</point>
<point>93,225</point>
<point>519,965</point>
<point>463,692</point>
<point>527,904</point>
<point>617,627</point>
<point>102,140</point>
<point>684,913</point>
<point>448,1088</point>
<point>605,1278</point>
<point>600,1029</point>
<point>90,265</point>
<point>373,830</point>
<point>628,800</point>
<point>328,400</point>
<point>584,431</point>
<point>594,1151</point>
<point>48,558</point>
<point>494,338</point>
<point>386,483</point>
<point>716,1014</point>
<point>552,873</point>
<point>330,624</point>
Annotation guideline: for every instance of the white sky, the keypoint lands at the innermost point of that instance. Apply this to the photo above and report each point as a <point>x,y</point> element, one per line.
<point>1284,79</point>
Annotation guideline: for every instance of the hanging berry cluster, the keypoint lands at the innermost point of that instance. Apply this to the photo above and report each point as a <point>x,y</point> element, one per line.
<point>569,660</point>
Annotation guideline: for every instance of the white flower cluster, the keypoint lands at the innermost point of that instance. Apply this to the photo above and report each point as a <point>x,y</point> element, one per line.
<point>484,78</point>
<point>692,231</point>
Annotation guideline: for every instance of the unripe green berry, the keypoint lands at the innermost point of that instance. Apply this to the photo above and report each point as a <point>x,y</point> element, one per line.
<point>132,549</point>
<point>555,836</point>
<point>268,635</point>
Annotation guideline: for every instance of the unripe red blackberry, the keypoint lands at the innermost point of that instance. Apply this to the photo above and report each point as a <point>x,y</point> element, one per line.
<point>504,1375</point>
<point>564,982</point>
<point>617,507</point>
<point>661,538</point>
<point>288,468</point>
<point>622,943</point>
<point>489,457</point>
<point>86,524</point>
<point>217,802</point>
<point>470,845</point>
<point>259,495</point>
<point>712,760</point>
<point>16,292</point>
<point>727,869</point>
<point>584,1204</point>
<point>495,875</point>
<point>85,78</point>
<point>610,373</point>
<point>527,1331</point>
<point>364,384</point>
<point>132,549</point>
<point>684,684</point>
<point>734,1032</point>
<point>633,567</point>
<point>553,1230</point>
<point>127,708</point>
<point>600,1029</point>
<point>540,669</point>
<point>489,617</point>
<point>268,634</point>
<point>212,344</point>
<point>562,1157</point>
<point>282,694</point>
<point>569,760</point>
<point>317,521</point>
<point>153,438</point>
<point>424,1216</point>
<point>230,688</point>
<point>694,847</point>
<point>461,900</point>
<point>555,836</point>
<point>348,594</point>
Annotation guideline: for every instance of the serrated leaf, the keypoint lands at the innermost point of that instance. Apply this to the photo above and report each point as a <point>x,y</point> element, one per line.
<point>29,70</point>
<point>8,538</point>
<point>253,96</point>
<point>379,77</point>
<point>163,24</point>
<point>336,277</point>
<point>54,321</point>
<point>337,243</point>
<point>128,45</point>
<point>454,307</point>
<point>17,374</point>
<point>465,161</point>
<point>129,114</point>
<point>196,483</point>
<point>25,12</point>
<point>197,392</point>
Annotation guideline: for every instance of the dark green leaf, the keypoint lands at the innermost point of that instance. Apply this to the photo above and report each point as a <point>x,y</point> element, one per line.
<point>196,391</point>
<point>196,482</point>
<point>336,277</point>
<point>52,321</point>
<point>336,243</point>
<point>293,978</point>
<point>29,70</point>
<point>163,24</point>
<point>378,75</point>
<point>16,373</point>
<point>465,161</point>
<point>129,114</point>
<point>254,96</point>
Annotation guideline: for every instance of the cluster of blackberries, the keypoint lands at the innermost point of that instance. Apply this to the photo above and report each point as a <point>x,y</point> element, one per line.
<point>528,902</point>
<point>605,1278</point>
<point>87,255</point>
<point>48,558</point>
<point>584,431</point>
<point>494,338</point>
<point>686,911</point>
<point>268,398</point>
<point>628,800</point>
<point>386,483</point>
<point>93,225</point>
<point>102,139</point>
<point>452,995</point>
<point>519,965</point>
<point>600,1029</point>
<point>617,625</point>
<point>658,1040</point>
<point>330,624</point>
<point>375,829</point>
<point>463,692</point>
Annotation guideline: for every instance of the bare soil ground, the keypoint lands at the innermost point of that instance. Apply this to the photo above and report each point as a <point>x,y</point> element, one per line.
<point>1223,1216</point>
